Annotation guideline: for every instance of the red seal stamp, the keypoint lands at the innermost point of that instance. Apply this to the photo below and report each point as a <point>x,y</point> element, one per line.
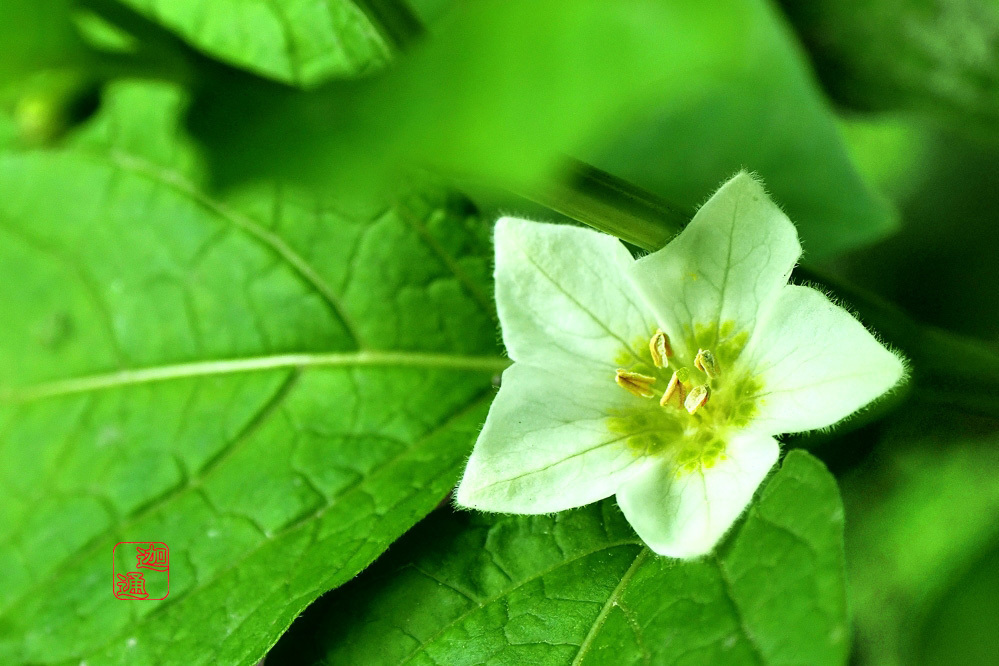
<point>140,570</point>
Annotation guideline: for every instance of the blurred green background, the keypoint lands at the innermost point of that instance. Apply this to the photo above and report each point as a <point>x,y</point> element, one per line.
<point>875,123</point>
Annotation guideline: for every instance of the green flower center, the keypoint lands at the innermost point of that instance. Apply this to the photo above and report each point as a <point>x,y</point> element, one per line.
<point>688,409</point>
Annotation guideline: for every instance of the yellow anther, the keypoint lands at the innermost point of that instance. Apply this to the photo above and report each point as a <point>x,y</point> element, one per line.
<point>674,388</point>
<point>706,362</point>
<point>696,398</point>
<point>660,348</point>
<point>635,383</point>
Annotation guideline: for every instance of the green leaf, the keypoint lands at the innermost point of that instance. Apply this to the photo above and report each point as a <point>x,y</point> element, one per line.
<point>936,57</point>
<point>890,152</point>
<point>578,587</point>
<point>275,389</point>
<point>764,113</point>
<point>919,515</point>
<point>958,629</point>
<point>8,130</point>
<point>502,89</point>
<point>142,119</point>
<point>35,34</point>
<point>294,41</point>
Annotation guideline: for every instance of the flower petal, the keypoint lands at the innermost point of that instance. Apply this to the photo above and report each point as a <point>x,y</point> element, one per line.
<point>817,363</point>
<point>726,266</point>
<point>564,299</point>
<point>685,515</point>
<point>546,445</point>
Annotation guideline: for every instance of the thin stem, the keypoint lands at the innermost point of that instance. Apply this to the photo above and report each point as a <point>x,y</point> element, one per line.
<point>612,205</point>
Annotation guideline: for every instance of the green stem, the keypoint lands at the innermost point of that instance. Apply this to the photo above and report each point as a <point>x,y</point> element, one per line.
<point>612,205</point>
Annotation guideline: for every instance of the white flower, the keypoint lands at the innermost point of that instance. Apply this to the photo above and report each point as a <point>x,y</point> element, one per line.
<point>663,380</point>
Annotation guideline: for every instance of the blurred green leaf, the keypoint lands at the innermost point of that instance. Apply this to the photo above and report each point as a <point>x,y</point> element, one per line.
<point>578,587</point>
<point>429,11</point>
<point>277,388</point>
<point>961,628</point>
<point>45,71</point>
<point>143,119</point>
<point>295,41</point>
<point>941,266</point>
<point>8,130</point>
<point>919,515</point>
<point>939,57</point>
<point>104,35</point>
<point>762,112</point>
<point>891,152</point>
<point>500,91</point>
<point>35,34</point>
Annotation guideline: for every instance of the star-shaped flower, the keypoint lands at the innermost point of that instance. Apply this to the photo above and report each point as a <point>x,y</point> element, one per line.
<point>663,380</point>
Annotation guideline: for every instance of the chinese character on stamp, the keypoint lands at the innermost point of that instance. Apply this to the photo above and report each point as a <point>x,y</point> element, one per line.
<point>153,584</point>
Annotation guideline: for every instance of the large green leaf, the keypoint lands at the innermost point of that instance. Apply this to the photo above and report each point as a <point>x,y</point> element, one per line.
<point>764,113</point>
<point>673,96</point>
<point>578,587</point>
<point>501,89</point>
<point>295,41</point>
<point>277,390</point>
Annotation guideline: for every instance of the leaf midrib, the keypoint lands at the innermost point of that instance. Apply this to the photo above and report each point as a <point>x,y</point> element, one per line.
<point>612,599</point>
<point>209,368</point>
<point>360,357</point>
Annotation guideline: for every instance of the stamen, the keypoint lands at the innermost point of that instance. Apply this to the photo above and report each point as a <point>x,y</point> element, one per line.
<point>635,383</point>
<point>705,362</point>
<point>696,398</point>
<point>660,348</point>
<point>674,388</point>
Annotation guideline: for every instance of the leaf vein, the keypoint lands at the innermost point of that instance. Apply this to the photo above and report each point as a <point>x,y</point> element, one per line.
<point>145,375</point>
<point>612,601</point>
